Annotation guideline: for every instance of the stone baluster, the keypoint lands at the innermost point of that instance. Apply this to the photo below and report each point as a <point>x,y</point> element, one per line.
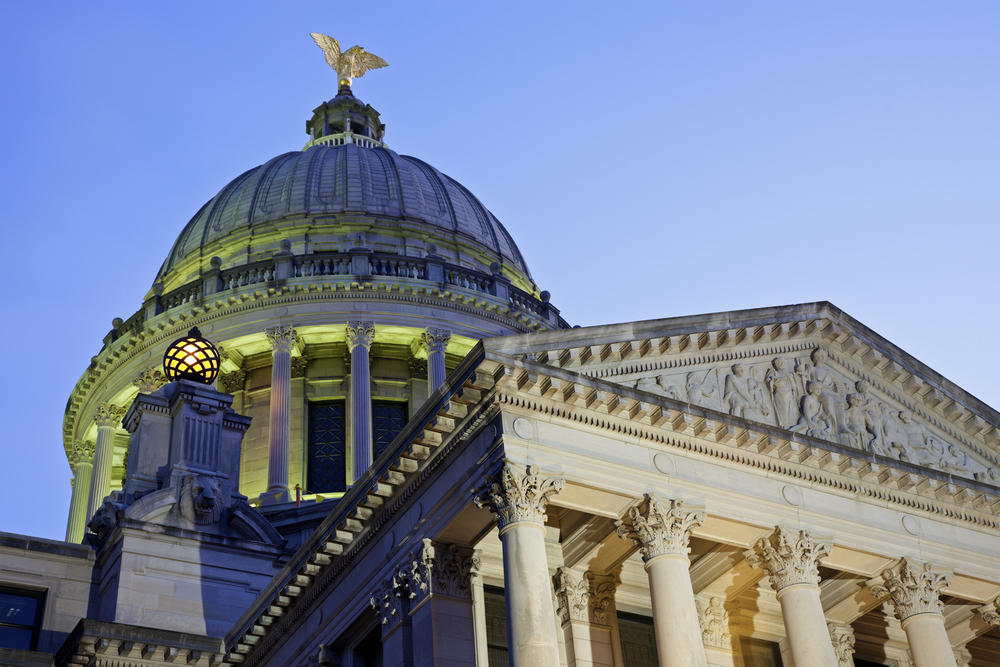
<point>518,498</point>
<point>282,339</point>
<point>842,637</point>
<point>791,560</point>
<point>662,533</point>
<point>107,418</point>
<point>83,466</point>
<point>914,588</point>
<point>435,341</point>
<point>359,339</point>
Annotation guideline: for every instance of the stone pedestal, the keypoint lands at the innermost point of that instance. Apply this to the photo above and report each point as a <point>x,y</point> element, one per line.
<point>791,560</point>
<point>282,339</point>
<point>108,418</point>
<point>359,339</point>
<point>914,588</point>
<point>83,465</point>
<point>518,498</point>
<point>662,532</point>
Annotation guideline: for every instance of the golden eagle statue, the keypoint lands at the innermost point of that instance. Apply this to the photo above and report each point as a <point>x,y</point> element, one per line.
<point>349,64</point>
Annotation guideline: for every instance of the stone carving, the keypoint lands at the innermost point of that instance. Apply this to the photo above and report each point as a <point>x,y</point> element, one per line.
<point>990,612</point>
<point>299,366</point>
<point>198,500</point>
<point>435,340</point>
<point>109,414</point>
<point>448,568</point>
<point>386,600</point>
<point>781,383</point>
<point>149,380</point>
<point>842,637</point>
<point>515,496</point>
<point>913,586</point>
<point>858,427</point>
<point>418,368</point>
<point>963,657</point>
<point>714,622</point>
<point>107,516</point>
<point>281,338</point>
<point>743,395</point>
<point>83,452</point>
<point>830,390</point>
<point>360,333</point>
<point>602,589</point>
<point>789,556</point>
<point>814,420</point>
<point>700,393</point>
<point>663,529</point>
<point>572,596</point>
<point>232,382</point>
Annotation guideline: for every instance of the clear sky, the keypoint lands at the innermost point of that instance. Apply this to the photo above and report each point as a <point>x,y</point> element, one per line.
<point>650,159</point>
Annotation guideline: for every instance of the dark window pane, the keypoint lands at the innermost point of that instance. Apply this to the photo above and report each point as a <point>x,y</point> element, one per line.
<point>16,637</point>
<point>638,640</point>
<point>760,653</point>
<point>496,627</point>
<point>18,609</point>
<point>327,441</point>
<point>388,419</point>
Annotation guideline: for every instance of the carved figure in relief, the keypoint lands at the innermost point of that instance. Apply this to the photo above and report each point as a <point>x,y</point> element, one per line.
<point>669,390</point>
<point>830,390</point>
<point>198,499</point>
<point>954,460</point>
<point>699,393</point>
<point>858,429</point>
<point>895,437</point>
<point>781,383</point>
<point>873,409</point>
<point>813,418</point>
<point>743,396</point>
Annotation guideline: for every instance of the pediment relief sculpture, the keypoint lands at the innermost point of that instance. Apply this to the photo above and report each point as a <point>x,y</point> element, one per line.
<point>804,392</point>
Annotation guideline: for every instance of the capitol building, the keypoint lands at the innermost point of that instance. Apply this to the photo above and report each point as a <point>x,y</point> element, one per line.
<point>401,453</point>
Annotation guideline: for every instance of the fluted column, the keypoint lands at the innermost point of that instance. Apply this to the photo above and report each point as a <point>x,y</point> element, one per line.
<point>436,341</point>
<point>359,339</point>
<point>281,339</point>
<point>107,418</point>
<point>791,560</point>
<point>914,588</point>
<point>517,498</point>
<point>83,466</point>
<point>662,533</point>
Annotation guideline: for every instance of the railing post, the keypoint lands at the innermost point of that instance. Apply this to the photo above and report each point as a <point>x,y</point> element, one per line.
<point>360,260</point>
<point>499,286</point>
<point>211,279</point>
<point>151,306</point>
<point>435,267</point>
<point>550,312</point>
<point>283,262</point>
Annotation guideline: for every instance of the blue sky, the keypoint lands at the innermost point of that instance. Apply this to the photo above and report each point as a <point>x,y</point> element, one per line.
<point>650,159</point>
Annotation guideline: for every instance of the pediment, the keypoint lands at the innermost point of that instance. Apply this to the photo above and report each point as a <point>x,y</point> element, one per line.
<point>808,369</point>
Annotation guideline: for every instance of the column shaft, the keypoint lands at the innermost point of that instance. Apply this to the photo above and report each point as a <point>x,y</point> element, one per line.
<point>100,480</point>
<point>77,520</point>
<point>806,626</point>
<point>436,342</point>
<point>361,410</point>
<point>675,616</point>
<point>278,426</point>
<point>531,619</point>
<point>928,640</point>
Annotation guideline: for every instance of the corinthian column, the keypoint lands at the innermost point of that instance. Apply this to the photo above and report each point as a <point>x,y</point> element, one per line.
<point>359,339</point>
<point>662,533</point>
<point>282,339</point>
<point>83,466</point>
<point>435,340</point>
<point>107,418</point>
<point>915,591</point>
<point>791,559</point>
<point>517,498</point>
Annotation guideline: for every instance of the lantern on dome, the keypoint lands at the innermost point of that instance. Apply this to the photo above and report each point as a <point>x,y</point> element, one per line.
<point>192,358</point>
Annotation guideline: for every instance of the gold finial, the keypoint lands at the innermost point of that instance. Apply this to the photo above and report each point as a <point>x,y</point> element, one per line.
<point>349,64</point>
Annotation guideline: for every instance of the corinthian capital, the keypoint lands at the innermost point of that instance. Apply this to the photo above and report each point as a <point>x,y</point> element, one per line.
<point>990,612</point>
<point>914,587</point>
<point>360,333</point>
<point>435,340</point>
<point>281,338</point>
<point>82,452</point>
<point>515,496</point>
<point>572,596</point>
<point>789,557</point>
<point>109,414</point>
<point>843,640</point>
<point>149,380</point>
<point>663,529</point>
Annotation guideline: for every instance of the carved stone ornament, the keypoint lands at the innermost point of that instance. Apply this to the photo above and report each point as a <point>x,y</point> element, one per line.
<point>231,383</point>
<point>572,596</point>
<point>149,380</point>
<point>602,597</point>
<point>789,557</point>
<point>990,612</point>
<point>360,333</point>
<point>714,623</point>
<point>386,600</point>
<point>913,586</point>
<point>83,452</point>
<point>418,368</point>
<point>107,516</point>
<point>963,657</point>
<point>515,496</point>
<point>842,637</point>
<point>109,414</point>
<point>663,529</point>
<point>281,338</point>
<point>299,366</point>
<point>435,340</point>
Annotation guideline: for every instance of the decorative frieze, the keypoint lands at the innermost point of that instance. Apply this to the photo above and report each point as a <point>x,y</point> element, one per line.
<point>842,637</point>
<point>572,596</point>
<point>514,495</point>
<point>149,380</point>
<point>299,367</point>
<point>281,338</point>
<point>387,600</point>
<point>663,528</point>
<point>109,414</point>
<point>914,587</point>
<point>360,333</point>
<point>789,557</point>
<point>714,619</point>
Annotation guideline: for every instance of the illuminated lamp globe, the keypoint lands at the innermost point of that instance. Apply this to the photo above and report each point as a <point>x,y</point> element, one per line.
<point>192,358</point>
